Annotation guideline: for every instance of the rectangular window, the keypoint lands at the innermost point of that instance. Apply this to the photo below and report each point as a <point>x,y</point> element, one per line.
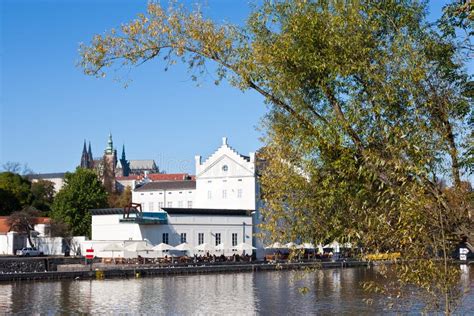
<point>150,206</point>
<point>170,204</point>
<point>164,238</point>
<point>200,238</point>
<point>209,195</point>
<point>218,238</point>
<point>224,194</point>
<point>190,204</point>
<point>239,193</point>
<point>183,237</point>
<point>161,204</point>
<point>180,203</point>
<point>234,239</point>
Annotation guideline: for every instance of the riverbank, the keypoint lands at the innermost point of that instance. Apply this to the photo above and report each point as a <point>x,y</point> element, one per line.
<point>101,271</point>
<point>57,268</point>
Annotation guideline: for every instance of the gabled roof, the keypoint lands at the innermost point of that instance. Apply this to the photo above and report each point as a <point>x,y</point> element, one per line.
<point>167,185</point>
<point>224,152</point>
<point>143,164</point>
<point>5,228</point>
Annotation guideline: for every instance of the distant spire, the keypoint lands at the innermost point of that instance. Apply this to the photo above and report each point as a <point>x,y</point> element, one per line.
<point>123,152</point>
<point>90,153</point>
<point>84,157</point>
<point>124,163</point>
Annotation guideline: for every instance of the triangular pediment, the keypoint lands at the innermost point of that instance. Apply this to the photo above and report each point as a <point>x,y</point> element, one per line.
<point>226,166</point>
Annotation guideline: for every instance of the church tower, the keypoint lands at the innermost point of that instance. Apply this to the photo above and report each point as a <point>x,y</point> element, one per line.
<point>109,163</point>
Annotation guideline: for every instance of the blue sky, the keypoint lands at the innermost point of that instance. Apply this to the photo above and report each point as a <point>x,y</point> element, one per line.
<point>48,106</point>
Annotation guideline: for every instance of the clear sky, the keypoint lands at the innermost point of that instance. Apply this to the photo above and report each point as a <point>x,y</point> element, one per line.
<point>48,106</point>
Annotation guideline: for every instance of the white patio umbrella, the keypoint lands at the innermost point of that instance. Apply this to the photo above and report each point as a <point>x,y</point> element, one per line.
<point>113,247</point>
<point>334,244</point>
<point>183,247</point>
<point>244,247</point>
<point>275,245</point>
<point>320,249</point>
<point>163,247</point>
<point>139,246</point>
<point>220,247</point>
<point>308,245</point>
<point>291,245</point>
<point>204,247</point>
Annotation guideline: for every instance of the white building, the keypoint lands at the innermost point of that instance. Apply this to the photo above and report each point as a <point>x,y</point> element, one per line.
<point>175,226</point>
<point>225,180</point>
<point>217,206</point>
<point>154,196</point>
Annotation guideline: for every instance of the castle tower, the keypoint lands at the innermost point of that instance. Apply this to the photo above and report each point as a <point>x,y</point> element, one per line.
<point>109,163</point>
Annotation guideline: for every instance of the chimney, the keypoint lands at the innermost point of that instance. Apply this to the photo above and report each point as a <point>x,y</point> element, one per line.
<point>197,159</point>
<point>224,141</point>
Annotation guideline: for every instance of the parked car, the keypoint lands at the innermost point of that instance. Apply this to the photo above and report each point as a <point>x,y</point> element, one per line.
<point>29,252</point>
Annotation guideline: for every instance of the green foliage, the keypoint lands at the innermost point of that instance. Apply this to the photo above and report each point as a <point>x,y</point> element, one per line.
<point>43,195</point>
<point>367,102</point>
<point>82,191</point>
<point>14,192</point>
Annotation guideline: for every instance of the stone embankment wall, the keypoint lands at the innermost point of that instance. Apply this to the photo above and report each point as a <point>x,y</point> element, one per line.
<point>39,264</point>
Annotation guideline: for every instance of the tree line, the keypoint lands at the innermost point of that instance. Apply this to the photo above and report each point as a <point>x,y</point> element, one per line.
<point>22,200</point>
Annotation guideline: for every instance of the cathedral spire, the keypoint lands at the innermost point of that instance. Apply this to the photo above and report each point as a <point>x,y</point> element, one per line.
<point>84,157</point>
<point>89,153</point>
<point>123,152</point>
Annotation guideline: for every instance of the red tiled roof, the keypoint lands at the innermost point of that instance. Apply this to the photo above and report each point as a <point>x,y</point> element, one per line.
<point>5,228</point>
<point>160,177</point>
<point>132,177</point>
<point>168,176</point>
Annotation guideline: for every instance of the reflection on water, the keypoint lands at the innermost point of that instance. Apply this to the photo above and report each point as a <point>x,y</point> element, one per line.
<point>332,291</point>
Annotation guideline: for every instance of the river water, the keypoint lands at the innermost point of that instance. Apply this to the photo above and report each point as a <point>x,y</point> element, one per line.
<point>331,291</point>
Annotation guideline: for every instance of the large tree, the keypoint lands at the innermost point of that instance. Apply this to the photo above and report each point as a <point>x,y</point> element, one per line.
<point>369,106</point>
<point>82,191</point>
<point>24,222</point>
<point>43,195</point>
<point>15,192</point>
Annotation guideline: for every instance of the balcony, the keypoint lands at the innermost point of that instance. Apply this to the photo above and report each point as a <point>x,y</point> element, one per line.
<point>146,218</point>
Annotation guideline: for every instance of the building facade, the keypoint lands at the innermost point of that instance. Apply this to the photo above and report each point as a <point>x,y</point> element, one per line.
<point>218,205</point>
<point>154,196</point>
<point>193,226</point>
<point>225,180</point>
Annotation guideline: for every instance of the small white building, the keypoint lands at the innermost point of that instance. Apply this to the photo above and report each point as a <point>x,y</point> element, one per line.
<point>174,226</point>
<point>154,196</point>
